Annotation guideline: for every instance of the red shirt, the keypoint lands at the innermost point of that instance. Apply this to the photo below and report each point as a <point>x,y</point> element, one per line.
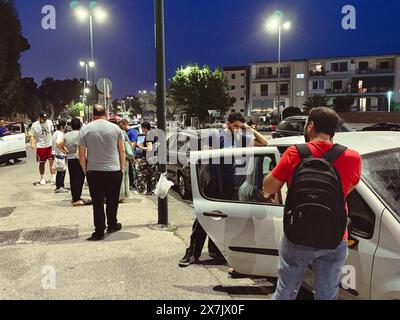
<point>348,165</point>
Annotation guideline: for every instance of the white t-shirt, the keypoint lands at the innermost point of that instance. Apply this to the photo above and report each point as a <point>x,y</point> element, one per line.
<point>58,137</point>
<point>42,132</point>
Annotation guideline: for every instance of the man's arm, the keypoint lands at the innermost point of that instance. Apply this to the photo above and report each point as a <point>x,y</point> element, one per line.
<point>260,140</point>
<point>121,151</point>
<point>82,158</point>
<point>272,185</point>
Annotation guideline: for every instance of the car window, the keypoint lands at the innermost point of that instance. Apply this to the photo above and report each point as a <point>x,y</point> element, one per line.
<point>361,215</point>
<point>237,181</point>
<point>381,172</point>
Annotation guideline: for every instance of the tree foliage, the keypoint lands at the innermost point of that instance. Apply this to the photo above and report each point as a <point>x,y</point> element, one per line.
<point>315,102</point>
<point>343,104</point>
<point>57,95</point>
<point>12,44</point>
<point>197,90</point>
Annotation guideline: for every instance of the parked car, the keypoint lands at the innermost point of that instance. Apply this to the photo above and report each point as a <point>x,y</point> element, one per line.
<point>294,126</point>
<point>246,227</point>
<point>178,158</point>
<point>383,127</point>
<point>13,146</point>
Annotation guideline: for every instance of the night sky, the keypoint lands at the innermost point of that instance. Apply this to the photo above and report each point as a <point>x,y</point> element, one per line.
<point>212,32</point>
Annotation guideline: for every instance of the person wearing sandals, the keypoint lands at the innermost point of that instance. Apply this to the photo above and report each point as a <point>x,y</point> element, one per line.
<point>76,175</point>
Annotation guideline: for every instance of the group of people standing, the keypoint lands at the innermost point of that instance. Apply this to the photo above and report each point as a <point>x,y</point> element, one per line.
<point>106,154</point>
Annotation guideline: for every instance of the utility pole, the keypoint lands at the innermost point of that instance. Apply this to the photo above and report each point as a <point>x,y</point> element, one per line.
<point>161,99</point>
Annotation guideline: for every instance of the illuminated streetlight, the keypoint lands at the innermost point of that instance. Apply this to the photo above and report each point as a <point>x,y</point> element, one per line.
<point>389,96</point>
<point>275,24</point>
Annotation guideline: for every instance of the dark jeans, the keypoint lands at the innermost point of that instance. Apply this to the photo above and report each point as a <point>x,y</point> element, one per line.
<point>60,178</point>
<point>197,240</point>
<point>132,174</point>
<point>104,186</point>
<point>77,179</point>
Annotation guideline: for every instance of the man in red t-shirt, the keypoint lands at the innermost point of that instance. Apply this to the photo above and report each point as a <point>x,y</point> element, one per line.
<point>295,259</point>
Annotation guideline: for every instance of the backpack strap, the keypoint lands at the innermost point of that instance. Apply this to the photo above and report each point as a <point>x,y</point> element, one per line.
<point>334,153</point>
<point>304,151</point>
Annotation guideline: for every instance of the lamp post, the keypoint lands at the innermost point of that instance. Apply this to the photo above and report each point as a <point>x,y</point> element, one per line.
<point>86,85</point>
<point>389,96</point>
<point>161,99</point>
<point>82,13</point>
<point>276,24</point>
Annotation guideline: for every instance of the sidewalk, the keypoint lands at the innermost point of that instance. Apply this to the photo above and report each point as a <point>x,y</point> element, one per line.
<point>139,262</point>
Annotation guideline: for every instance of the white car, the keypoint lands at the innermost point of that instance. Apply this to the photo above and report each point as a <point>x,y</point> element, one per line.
<point>247,227</point>
<point>13,146</point>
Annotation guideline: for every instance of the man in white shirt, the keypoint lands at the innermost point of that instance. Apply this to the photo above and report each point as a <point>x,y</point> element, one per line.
<point>41,140</point>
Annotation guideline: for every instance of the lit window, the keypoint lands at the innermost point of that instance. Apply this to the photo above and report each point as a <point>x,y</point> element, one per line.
<point>300,76</point>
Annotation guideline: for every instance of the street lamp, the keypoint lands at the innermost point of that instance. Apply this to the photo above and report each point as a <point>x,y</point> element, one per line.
<point>389,96</point>
<point>82,13</point>
<point>273,24</point>
<point>86,84</point>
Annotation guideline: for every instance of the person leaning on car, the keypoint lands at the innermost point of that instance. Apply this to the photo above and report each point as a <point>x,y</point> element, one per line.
<point>294,259</point>
<point>236,132</point>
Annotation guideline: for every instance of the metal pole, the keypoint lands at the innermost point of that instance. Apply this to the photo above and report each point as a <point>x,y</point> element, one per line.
<point>161,98</point>
<point>279,73</point>
<point>86,110</point>
<point>92,57</point>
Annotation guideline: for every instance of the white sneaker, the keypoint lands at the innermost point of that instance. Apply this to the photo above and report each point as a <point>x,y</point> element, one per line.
<point>42,182</point>
<point>61,190</point>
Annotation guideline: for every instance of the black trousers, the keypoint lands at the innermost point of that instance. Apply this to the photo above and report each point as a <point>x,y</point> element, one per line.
<point>104,186</point>
<point>60,178</point>
<point>131,174</point>
<point>197,240</point>
<point>76,178</point>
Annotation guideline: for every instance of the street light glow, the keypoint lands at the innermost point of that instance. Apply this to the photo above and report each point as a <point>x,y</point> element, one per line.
<point>82,63</point>
<point>91,64</point>
<point>87,90</point>
<point>81,13</point>
<point>287,25</point>
<point>100,14</point>
<point>272,24</point>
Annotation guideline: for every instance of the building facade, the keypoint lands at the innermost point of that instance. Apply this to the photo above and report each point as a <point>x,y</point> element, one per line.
<point>238,88</point>
<point>367,79</point>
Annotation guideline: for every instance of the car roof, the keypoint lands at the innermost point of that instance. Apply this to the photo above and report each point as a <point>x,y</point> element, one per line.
<point>296,118</point>
<point>363,142</point>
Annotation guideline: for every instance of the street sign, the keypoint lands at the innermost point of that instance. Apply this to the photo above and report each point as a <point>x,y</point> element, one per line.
<point>104,85</point>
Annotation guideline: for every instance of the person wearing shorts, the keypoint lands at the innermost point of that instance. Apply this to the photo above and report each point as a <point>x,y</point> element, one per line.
<point>42,133</point>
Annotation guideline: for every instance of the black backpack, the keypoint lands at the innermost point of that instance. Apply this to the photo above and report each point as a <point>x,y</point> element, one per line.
<point>315,214</point>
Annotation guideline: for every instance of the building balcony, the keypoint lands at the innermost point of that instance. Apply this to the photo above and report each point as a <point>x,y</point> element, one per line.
<point>270,76</point>
<point>374,71</point>
<point>383,90</point>
<point>337,91</point>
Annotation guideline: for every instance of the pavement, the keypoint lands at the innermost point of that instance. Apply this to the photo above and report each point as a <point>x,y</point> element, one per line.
<point>138,263</point>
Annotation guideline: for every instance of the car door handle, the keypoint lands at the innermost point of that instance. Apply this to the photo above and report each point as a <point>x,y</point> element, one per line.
<point>215,214</point>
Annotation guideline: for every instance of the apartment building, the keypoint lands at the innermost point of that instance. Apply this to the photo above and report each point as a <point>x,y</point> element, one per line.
<point>367,79</point>
<point>238,84</point>
<point>264,87</point>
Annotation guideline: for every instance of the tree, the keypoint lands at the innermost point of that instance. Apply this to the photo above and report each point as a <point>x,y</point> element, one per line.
<point>76,109</point>
<point>31,102</point>
<point>315,102</point>
<point>291,111</point>
<point>343,104</point>
<point>57,95</point>
<point>198,90</point>
<point>12,44</point>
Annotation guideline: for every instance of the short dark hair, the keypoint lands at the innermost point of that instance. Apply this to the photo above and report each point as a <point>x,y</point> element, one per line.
<point>325,119</point>
<point>124,122</point>
<point>236,117</point>
<point>76,124</point>
<point>146,125</point>
<point>61,124</point>
<point>99,111</point>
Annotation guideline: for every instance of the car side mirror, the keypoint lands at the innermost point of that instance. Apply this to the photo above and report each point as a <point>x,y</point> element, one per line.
<point>352,243</point>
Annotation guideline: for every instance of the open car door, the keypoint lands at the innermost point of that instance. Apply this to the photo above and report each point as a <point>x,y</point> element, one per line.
<point>245,226</point>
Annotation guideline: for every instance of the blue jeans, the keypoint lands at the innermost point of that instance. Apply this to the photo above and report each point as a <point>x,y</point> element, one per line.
<point>294,261</point>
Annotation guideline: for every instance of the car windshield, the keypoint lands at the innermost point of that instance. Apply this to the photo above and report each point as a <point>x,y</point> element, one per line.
<point>381,172</point>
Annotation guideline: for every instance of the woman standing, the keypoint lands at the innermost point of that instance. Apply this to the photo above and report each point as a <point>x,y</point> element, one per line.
<point>60,156</point>
<point>76,175</point>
